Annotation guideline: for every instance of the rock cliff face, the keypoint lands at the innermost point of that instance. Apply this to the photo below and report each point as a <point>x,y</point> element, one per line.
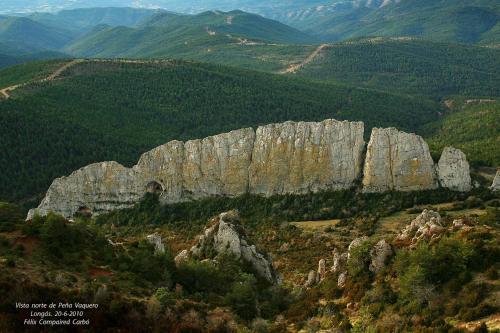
<point>306,157</point>
<point>453,170</point>
<point>287,158</point>
<point>398,161</point>
<point>96,188</point>
<point>277,159</point>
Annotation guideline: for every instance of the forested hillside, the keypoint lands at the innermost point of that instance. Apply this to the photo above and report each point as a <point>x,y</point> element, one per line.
<point>473,126</point>
<point>30,36</point>
<point>82,19</point>
<point>410,66</point>
<point>461,21</point>
<point>232,38</point>
<point>115,111</point>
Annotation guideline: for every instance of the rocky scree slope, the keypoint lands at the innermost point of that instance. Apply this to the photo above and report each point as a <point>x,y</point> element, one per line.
<point>285,158</point>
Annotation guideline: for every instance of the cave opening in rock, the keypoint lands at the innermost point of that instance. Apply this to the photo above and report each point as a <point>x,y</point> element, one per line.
<point>154,187</point>
<point>85,211</point>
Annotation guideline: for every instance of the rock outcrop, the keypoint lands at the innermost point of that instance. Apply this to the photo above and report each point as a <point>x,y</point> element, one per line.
<point>321,269</point>
<point>292,157</point>
<point>287,158</point>
<point>398,161</point>
<point>306,157</point>
<point>339,261</point>
<point>312,279</point>
<point>424,227</point>
<point>227,236</point>
<point>379,255</point>
<point>155,239</point>
<point>96,188</point>
<point>453,170</point>
<point>496,182</point>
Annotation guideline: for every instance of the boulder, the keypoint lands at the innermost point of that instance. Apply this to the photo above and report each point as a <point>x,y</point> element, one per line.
<point>312,279</point>
<point>379,255</point>
<point>342,279</point>
<point>339,261</point>
<point>155,239</point>
<point>453,170</point>
<point>495,186</point>
<point>321,269</point>
<point>424,227</point>
<point>182,257</point>
<point>398,161</point>
<point>227,236</point>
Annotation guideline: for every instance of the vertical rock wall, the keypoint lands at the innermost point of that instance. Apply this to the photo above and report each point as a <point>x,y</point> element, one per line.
<point>306,157</point>
<point>453,170</point>
<point>398,161</point>
<point>286,158</point>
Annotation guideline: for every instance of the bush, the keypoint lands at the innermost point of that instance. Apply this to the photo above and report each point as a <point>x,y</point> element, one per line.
<point>165,297</point>
<point>243,297</point>
<point>56,236</point>
<point>359,261</point>
<point>491,218</point>
<point>202,277</point>
<point>422,270</point>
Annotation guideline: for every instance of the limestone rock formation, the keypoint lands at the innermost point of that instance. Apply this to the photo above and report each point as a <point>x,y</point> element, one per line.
<point>398,161</point>
<point>282,158</point>
<point>339,261</point>
<point>342,279</point>
<point>496,182</point>
<point>453,170</point>
<point>312,279</point>
<point>287,158</point>
<point>155,239</point>
<point>226,235</point>
<point>379,255</point>
<point>217,165</point>
<point>306,157</point>
<point>321,269</point>
<point>96,188</point>
<point>424,227</point>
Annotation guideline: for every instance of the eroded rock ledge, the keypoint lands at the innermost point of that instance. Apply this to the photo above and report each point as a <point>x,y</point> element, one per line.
<point>285,158</point>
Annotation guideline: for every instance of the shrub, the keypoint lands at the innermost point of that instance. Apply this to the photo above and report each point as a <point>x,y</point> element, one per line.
<point>198,276</point>
<point>243,297</point>
<point>359,261</point>
<point>165,297</point>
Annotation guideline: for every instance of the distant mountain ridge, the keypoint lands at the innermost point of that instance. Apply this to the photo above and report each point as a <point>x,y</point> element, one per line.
<point>223,37</point>
<point>442,20</point>
<point>189,36</point>
<point>84,19</point>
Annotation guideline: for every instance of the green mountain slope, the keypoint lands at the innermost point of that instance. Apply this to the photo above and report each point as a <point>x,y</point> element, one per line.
<point>115,111</point>
<point>7,60</point>
<point>13,54</point>
<point>235,38</point>
<point>84,19</point>
<point>473,127</point>
<point>462,21</point>
<point>31,36</point>
<point>410,66</point>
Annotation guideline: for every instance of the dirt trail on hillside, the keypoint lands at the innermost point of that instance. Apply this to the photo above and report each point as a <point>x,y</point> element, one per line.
<point>6,91</point>
<point>295,67</point>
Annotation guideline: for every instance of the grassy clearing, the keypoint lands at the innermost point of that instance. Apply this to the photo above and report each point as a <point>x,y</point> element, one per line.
<point>394,223</point>
<point>314,225</point>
